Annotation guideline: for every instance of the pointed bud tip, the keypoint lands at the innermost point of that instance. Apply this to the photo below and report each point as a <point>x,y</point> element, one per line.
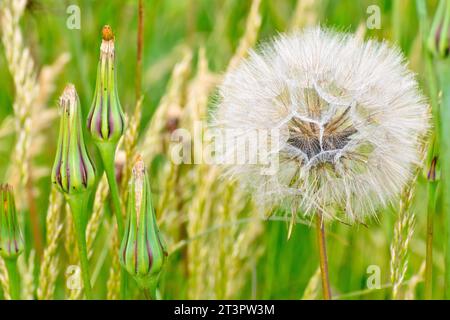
<point>139,167</point>
<point>107,33</point>
<point>69,92</point>
<point>68,97</point>
<point>138,159</point>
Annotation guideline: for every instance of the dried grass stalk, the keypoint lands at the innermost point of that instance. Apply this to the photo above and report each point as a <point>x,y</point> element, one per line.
<point>130,140</point>
<point>49,269</point>
<point>403,232</point>
<point>305,14</point>
<point>313,287</point>
<point>251,34</point>
<point>113,283</point>
<point>96,218</point>
<point>26,269</point>
<point>4,280</point>
<point>22,69</point>
<point>410,292</point>
<point>70,248</point>
<point>224,258</point>
<point>169,109</point>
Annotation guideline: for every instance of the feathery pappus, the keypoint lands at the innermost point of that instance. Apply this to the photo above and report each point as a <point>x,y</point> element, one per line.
<point>347,118</point>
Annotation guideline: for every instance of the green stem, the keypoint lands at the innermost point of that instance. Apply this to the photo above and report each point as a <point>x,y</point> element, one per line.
<point>443,70</point>
<point>14,278</point>
<point>151,293</point>
<point>422,16</point>
<point>107,153</point>
<point>429,247</point>
<point>431,81</point>
<point>78,206</point>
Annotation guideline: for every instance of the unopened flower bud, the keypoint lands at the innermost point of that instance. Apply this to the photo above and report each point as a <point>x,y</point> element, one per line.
<point>439,37</point>
<point>106,119</point>
<point>142,252</point>
<point>11,241</point>
<point>73,171</point>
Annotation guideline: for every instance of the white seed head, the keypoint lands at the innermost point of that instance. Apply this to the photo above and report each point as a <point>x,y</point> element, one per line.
<point>349,118</point>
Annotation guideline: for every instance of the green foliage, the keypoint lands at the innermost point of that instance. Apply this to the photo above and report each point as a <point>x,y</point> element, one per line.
<point>286,265</point>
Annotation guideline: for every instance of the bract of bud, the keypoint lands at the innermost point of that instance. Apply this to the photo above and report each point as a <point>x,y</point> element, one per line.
<point>11,240</point>
<point>142,251</point>
<point>439,37</point>
<point>73,172</point>
<point>106,119</point>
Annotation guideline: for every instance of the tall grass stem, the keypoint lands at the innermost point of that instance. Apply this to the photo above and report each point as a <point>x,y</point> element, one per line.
<point>443,70</point>
<point>140,46</point>
<point>432,185</point>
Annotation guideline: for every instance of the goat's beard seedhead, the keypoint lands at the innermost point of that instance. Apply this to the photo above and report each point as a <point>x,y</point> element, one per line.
<point>351,122</point>
<point>321,139</point>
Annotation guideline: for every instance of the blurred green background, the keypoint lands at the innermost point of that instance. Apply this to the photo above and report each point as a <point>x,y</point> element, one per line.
<point>286,266</point>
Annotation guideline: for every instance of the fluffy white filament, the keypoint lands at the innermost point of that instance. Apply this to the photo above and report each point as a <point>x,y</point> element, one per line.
<point>348,116</point>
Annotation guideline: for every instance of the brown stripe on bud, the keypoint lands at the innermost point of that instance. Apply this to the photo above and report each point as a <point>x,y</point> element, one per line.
<point>432,172</point>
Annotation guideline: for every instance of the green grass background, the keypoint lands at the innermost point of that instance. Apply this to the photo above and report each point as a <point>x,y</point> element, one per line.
<point>286,265</point>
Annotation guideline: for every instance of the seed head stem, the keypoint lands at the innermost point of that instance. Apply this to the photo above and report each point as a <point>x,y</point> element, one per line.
<point>320,229</point>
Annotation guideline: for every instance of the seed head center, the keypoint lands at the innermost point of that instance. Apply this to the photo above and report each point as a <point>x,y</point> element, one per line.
<point>320,139</point>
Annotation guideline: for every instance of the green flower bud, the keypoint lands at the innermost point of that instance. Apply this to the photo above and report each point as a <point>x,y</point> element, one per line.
<point>73,171</point>
<point>439,38</point>
<point>106,119</point>
<point>142,252</point>
<point>11,241</point>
